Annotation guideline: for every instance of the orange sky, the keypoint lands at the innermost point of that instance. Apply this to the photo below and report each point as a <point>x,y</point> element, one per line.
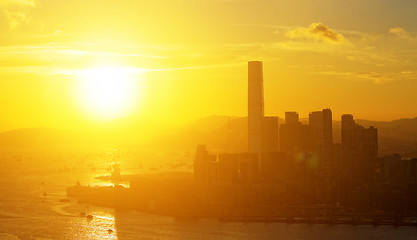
<point>187,59</point>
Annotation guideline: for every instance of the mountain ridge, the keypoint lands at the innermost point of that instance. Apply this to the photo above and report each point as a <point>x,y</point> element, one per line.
<point>219,132</point>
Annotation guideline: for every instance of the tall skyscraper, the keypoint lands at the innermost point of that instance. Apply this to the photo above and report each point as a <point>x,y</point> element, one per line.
<point>315,120</point>
<point>255,106</point>
<point>270,134</point>
<point>359,150</point>
<point>328,147</point>
<point>321,127</point>
<point>295,138</point>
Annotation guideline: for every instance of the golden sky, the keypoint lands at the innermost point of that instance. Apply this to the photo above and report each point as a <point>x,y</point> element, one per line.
<point>181,60</point>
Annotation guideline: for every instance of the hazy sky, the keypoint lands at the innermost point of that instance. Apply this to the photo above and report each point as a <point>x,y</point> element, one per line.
<point>188,58</point>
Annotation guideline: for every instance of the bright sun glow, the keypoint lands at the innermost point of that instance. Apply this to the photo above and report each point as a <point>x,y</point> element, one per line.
<point>109,92</point>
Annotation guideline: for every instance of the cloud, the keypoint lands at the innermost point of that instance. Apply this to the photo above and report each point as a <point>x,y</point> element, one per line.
<point>18,2</point>
<point>400,32</point>
<point>16,18</point>
<point>16,11</point>
<point>317,32</point>
<point>376,77</point>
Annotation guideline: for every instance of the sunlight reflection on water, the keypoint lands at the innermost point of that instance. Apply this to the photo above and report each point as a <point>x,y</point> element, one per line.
<point>101,226</point>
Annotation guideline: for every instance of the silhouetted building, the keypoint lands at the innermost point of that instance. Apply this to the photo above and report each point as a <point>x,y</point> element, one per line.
<point>291,117</point>
<point>255,106</point>
<point>248,167</point>
<point>397,170</point>
<point>295,138</point>
<point>270,134</point>
<point>228,167</point>
<point>328,147</point>
<point>359,150</point>
<point>315,120</point>
<point>323,151</point>
<point>205,166</point>
<point>322,133</point>
<point>274,167</point>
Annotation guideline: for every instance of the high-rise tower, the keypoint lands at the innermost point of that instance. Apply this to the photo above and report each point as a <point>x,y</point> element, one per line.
<point>322,135</point>
<point>255,106</point>
<point>359,150</point>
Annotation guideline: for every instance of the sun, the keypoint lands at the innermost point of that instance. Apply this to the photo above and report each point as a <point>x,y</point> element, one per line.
<point>108,93</point>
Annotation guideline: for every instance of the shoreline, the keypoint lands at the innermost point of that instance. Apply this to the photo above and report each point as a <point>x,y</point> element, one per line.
<point>354,219</point>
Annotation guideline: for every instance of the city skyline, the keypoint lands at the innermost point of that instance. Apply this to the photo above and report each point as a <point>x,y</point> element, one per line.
<point>304,169</point>
<point>197,119</point>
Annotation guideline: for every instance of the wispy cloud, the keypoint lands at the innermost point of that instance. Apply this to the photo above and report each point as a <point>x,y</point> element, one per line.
<point>18,2</point>
<point>80,49</point>
<point>16,11</point>
<point>276,27</point>
<point>347,52</point>
<point>375,77</point>
<point>317,32</point>
<point>400,32</point>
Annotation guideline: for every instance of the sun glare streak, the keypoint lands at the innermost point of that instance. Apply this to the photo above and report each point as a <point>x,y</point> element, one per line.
<point>108,93</point>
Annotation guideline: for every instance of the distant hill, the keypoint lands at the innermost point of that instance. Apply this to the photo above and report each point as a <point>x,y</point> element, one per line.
<point>229,133</point>
<point>35,137</point>
<point>398,136</point>
<point>404,129</point>
<point>219,133</point>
